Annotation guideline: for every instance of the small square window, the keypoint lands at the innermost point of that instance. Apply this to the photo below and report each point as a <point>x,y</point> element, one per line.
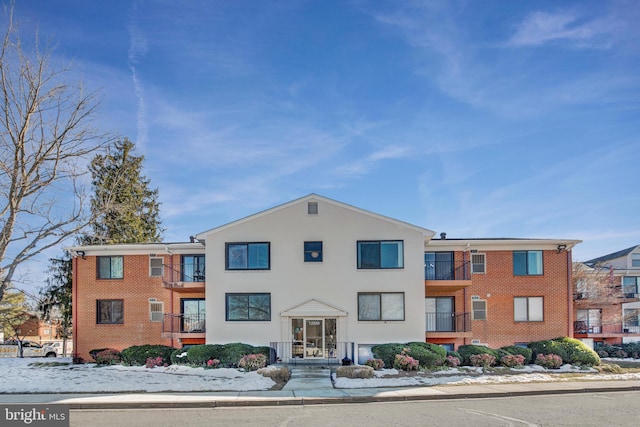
<point>312,208</point>
<point>110,311</point>
<point>110,267</point>
<point>312,251</point>
<point>527,263</point>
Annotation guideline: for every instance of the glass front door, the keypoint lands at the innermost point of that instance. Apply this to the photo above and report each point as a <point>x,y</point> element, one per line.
<point>313,338</point>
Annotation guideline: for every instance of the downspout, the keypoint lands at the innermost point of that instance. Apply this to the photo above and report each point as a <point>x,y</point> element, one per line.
<point>74,305</point>
<point>171,296</point>
<point>570,294</point>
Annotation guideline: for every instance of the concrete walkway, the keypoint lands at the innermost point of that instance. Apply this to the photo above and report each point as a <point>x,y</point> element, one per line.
<point>310,390</point>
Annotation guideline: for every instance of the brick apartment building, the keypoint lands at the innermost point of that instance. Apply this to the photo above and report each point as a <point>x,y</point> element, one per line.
<point>319,279</point>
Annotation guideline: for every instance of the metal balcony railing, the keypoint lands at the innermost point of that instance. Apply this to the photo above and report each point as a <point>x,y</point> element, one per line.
<point>448,322</point>
<point>447,270</point>
<point>285,352</point>
<point>184,323</point>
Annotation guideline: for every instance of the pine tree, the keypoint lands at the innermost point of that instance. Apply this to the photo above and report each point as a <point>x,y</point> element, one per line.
<point>55,300</point>
<point>133,211</point>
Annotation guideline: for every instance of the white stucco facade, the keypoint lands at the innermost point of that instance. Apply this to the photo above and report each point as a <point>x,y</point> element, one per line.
<point>315,290</point>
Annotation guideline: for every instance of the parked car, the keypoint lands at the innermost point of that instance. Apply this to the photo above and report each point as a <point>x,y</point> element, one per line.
<point>29,349</point>
<point>57,346</point>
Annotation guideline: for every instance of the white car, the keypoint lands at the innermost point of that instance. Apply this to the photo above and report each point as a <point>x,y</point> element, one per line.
<point>29,349</point>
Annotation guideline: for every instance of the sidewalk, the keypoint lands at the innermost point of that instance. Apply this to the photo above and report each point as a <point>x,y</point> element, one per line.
<point>312,392</point>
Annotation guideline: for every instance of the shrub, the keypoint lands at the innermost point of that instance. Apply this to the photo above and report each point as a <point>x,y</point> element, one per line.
<point>376,364</point>
<point>138,354</point>
<point>152,362</point>
<point>387,352</point>
<point>179,357</point>
<point>108,356</point>
<point>466,351</point>
<point>452,361</point>
<point>95,351</point>
<point>232,353</point>
<point>354,371</point>
<point>610,368</point>
<point>212,364</point>
<point>199,355</point>
<point>429,355</point>
<point>484,360</point>
<point>569,349</point>
<point>253,362</point>
<point>404,362</point>
<point>549,361</point>
<point>523,351</point>
<point>512,360</point>
<point>454,354</point>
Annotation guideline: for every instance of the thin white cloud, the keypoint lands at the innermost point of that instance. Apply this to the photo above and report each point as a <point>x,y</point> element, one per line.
<point>541,27</point>
<point>363,166</point>
<point>137,48</point>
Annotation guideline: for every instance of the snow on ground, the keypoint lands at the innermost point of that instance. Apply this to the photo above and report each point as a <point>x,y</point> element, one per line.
<point>25,376</point>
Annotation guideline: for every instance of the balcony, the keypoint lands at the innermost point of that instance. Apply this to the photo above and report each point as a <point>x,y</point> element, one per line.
<point>448,325</point>
<point>582,329</point>
<point>449,276</point>
<point>183,326</point>
<point>184,277</point>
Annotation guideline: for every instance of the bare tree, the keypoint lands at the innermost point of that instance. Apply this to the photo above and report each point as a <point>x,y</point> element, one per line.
<point>46,142</point>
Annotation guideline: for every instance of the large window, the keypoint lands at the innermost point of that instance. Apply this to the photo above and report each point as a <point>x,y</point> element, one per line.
<point>193,268</point>
<point>110,267</point>
<point>248,256</point>
<point>109,311</point>
<point>527,263</point>
<point>248,307</point>
<point>635,260</point>
<point>630,286</point>
<point>528,309</point>
<point>381,306</point>
<point>381,254</point>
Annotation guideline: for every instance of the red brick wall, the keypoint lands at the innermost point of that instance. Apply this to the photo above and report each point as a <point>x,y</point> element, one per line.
<point>135,289</point>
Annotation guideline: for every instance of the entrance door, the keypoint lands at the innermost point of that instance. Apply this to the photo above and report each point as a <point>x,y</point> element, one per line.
<point>313,338</point>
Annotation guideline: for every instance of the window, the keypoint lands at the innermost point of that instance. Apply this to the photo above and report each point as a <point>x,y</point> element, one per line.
<point>156,267</point>
<point>381,254</point>
<point>156,310</point>
<point>192,268</point>
<point>248,307</point>
<point>248,256</point>
<point>312,251</point>
<point>528,309</point>
<point>527,263</point>
<point>110,311</point>
<point>478,262</point>
<point>440,314</point>
<point>630,286</point>
<point>110,267</point>
<point>312,208</point>
<point>193,315</point>
<point>479,309</point>
<point>381,306</point>
<point>635,260</point>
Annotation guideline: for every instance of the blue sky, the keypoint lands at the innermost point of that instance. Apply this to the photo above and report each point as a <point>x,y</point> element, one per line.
<point>477,118</point>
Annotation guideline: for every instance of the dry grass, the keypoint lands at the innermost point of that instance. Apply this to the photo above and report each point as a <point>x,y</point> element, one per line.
<point>354,371</point>
<point>275,373</point>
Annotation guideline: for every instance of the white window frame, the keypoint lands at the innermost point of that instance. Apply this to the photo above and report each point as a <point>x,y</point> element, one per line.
<point>484,263</point>
<point>156,310</point>
<point>155,268</point>
<point>531,309</point>
<point>480,310</point>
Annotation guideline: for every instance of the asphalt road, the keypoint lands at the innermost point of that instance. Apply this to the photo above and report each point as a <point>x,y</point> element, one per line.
<point>582,409</point>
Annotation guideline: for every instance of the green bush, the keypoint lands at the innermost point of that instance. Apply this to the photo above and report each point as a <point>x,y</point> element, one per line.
<point>427,354</point>
<point>454,354</point>
<point>95,351</point>
<point>175,360</point>
<point>387,352</point>
<point>199,355</point>
<point>232,353</point>
<point>571,351</point>
<point>108,357</point>
<point>138,354</point>
<point>466,351</point>
<point>522,351</point>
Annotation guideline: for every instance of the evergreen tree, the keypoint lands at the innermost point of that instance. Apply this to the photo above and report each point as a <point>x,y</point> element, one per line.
<point>55,301</point>
<point>128,210</point>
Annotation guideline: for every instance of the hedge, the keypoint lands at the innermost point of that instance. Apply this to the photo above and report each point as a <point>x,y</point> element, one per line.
<point>466,351</point>
<point>138,354</point>
<point>571,351</point>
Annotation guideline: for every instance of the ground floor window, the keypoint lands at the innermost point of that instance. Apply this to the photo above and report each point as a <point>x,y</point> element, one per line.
<point>110,311</point>
<point>380,306</point>
<point>242,307</point>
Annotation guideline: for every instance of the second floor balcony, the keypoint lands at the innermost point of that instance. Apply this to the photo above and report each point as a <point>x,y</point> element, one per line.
<point>448,322</point>
<point>183,325</point>
<point>188,276</point>
<point>447,275</point>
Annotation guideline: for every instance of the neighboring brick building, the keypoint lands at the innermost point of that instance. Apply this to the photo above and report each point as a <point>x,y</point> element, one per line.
<point>607,298</point>
<point>316,278</point>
